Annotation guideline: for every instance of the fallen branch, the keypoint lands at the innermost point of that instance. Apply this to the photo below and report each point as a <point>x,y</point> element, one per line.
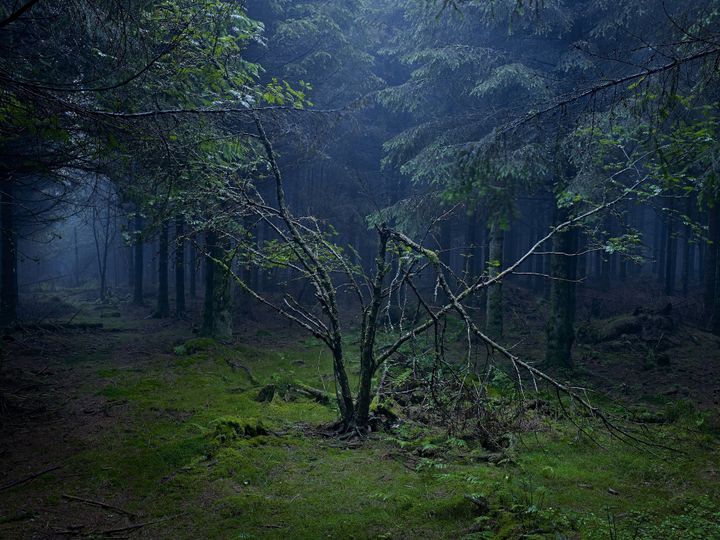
<point>132,528</point>
<point>235,366</point>
<point>58,327</point>
<point>28,478</point>
<point>518,364</point>
<point>99,504</point>
<point>309,391</point>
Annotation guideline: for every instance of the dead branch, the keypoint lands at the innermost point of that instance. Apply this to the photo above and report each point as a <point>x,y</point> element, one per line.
<point>484,282</point>
<point>99,504</point>
<point>28,478</point>
<point>235,366</point>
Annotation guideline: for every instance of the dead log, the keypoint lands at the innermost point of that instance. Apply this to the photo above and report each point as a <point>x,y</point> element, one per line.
<point>313,393</point>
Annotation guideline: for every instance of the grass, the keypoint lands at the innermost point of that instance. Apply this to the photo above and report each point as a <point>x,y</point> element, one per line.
<point>182,449</point>
<point>268,486</point>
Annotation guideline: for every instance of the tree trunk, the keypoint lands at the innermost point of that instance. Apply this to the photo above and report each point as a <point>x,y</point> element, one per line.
<point>538,283</point>
<point>367,349</point>
<point>471,242</point>
<point>179,267</point>
<point>582,261</point>
<point>131,257</point>
<point>715,318</point>
<point>687,251</point>
<point>657,245</point>
<point>670,252</point>
<point>222,297</point>
<point>446,236</point>
<point>217,313</point>
<point>494,311</point>
<point>101,247</point>
<point>561,324</point>
<point>77,258</point>
<point>193,271</point>
<point>701,251</point>
<point>8,250</point>
<point>139,260</point>
<point>209,304</point>
<point>163,300</point>
<point>710,260</point>
<point>663,245</point>
<point>605,266</point>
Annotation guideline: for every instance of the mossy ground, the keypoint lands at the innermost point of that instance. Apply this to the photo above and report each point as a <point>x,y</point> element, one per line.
<point>172,443</point>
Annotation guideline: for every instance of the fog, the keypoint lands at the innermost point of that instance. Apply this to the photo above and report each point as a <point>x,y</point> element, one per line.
<point>359,268</point>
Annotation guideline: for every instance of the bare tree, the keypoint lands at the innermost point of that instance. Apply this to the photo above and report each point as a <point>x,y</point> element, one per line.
<point>302,247</point>
<point>103,229</point>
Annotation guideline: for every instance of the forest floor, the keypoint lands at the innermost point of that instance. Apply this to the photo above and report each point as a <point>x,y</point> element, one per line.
<point>138,430</point>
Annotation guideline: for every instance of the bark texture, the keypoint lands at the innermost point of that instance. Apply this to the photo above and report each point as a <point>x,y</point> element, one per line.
<point>561,324</point>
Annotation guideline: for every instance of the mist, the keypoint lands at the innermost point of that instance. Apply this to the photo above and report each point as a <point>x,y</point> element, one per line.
<point>359,269</point>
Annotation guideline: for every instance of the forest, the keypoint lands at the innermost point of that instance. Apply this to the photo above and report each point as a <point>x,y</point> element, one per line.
<point>383,269</point>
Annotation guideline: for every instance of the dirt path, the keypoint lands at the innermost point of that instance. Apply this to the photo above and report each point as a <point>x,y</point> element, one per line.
<point>53,410</point>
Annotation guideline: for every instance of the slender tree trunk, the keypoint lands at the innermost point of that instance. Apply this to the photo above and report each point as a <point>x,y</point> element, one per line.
<point>8,251</point>
<point>715,318</point>
<point>663,245</point>
<point>710,260</point>
<point>483,254</point>
<point>702,252</point>
<point>139,260</point>
<point>209,304</point>
<point>116,248</point>
<point>472,258</point>
<point>217,313</point>
<point>561,324</point>
<point>604,257</point>
<point>446,235</point>
<point>538,283</point>
<point>77,258</point>
<point>179,267</point>
<point>657,245</point>
<point>582,260</point>
<point>131,256</point>
<point>494,311</point>
<point>193,271</point>
<point>367,352</point>
<point>670,252</point>
<point>163,300</point>
<point>222,296</point>
<point>471,241</point>
<point>102,248</point>
<point>687,251</point>
<point>152,252</point>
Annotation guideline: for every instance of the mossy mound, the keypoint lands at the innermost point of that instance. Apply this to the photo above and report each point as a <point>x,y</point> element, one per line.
<point>230,428</point>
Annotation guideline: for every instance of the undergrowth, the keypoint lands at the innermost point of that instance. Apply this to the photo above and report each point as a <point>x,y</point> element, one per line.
<point>195,444</point>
